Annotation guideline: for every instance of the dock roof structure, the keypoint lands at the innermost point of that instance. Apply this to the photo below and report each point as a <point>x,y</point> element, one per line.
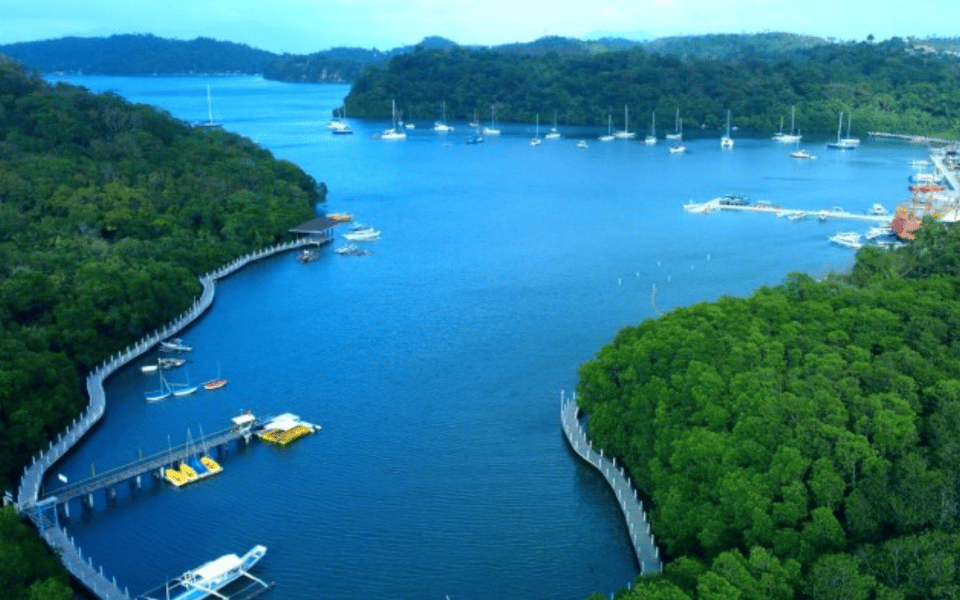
<point>314,226</point>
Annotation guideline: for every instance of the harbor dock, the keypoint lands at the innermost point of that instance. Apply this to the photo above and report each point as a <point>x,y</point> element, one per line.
<point>133,472</point>
<point>823,215</point>
<point>916,139</point>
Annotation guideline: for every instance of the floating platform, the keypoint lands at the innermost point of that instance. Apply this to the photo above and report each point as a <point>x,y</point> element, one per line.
<point>286,428</point>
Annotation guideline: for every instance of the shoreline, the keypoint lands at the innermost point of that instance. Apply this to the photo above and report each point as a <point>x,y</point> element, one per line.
<point>45,514</point>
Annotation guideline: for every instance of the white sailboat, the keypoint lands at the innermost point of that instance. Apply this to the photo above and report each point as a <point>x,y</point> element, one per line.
<point>395,132</point>
<point>651,139</point>
<point>801,153</point>
<point>183,389</point>
<point>441,125</point>
<point>850,141</point>
<point>789,138</point>
<point>726,141</point>
<point>678,147</point>
<point>841,144</point>
<point>677,133</point>
<point>609,137</point>
<point>626,134</point>
<point>553,133</point>
<point>160,394</point>
<point>777,136</point>
<point>338,125</point>
<point>536,141</point>
<point>210,123</point>
<point>492,130</point>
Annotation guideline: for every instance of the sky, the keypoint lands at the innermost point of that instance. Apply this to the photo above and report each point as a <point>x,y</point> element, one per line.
<point>305,26</point>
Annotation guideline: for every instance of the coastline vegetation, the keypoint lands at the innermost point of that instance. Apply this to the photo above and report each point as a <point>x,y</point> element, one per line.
<point>109,212</point>
<point>800,443</point>
<point>888,86</point>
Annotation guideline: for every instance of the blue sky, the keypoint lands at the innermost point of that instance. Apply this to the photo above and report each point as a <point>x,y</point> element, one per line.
<point>303,26</point>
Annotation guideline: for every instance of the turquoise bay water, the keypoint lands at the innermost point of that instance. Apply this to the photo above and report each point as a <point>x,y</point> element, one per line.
<point>435,364</point>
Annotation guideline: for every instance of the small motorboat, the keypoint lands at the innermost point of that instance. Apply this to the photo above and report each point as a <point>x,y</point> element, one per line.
<point>174,345</point>
<point>362,234</point>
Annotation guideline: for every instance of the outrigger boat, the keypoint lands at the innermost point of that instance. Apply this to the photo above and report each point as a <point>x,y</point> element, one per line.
<point>209,579</point>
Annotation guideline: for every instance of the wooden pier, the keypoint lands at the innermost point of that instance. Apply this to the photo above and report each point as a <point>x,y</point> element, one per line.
<point>916,139</point>
<point>823,215</point>
<point>644,545</point>
<point>44,513</point>
<point>134,471</point>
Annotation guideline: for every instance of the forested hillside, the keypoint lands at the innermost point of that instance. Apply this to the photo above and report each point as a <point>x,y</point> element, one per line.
<point>139,55</point>
<point>108,213</point>
<point>886,87</point>
<point>803,442</point>
<point>733,45</point>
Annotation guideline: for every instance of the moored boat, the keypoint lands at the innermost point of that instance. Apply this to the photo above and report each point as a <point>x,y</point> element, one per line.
<point>208,579</point>
<point>174,345</point>
<point>362,234</point>
<point>849,239</point>
<point>308,255</point>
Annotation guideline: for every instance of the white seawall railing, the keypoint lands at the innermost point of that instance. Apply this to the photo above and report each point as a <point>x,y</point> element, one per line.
<point>32,478</point>
<point>642,540</point>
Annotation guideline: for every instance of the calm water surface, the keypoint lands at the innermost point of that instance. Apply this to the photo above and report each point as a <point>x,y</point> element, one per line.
<point>435,365</point>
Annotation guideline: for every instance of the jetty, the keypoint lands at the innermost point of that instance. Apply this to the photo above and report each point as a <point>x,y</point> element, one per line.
<point>44,513</point>
<point>133,472</point>
<point>642,540</point>
<point>915,139</point>
<point>765,208</point>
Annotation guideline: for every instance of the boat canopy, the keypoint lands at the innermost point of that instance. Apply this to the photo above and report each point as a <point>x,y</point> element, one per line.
<point>214,568</point>
<point>243,419</point>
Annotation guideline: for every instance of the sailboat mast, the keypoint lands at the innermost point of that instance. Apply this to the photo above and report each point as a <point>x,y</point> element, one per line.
<point>209,105</point>
<point>839,127</point>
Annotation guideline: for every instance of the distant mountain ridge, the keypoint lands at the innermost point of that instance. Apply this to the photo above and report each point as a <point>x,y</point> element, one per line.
<point>145,54</point>
<point>138,54</point>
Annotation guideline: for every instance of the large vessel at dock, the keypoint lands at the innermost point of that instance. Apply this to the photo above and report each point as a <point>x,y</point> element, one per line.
<point>210,578</point>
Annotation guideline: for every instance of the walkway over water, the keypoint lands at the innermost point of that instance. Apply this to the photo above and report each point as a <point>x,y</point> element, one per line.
<point>916,139</point>
<point>44,513</point>
<point>644,545</point>
<point>156,463</point>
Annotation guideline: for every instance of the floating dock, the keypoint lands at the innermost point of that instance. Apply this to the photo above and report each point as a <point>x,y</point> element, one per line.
<point>286,428</point>
<point>792,213</point>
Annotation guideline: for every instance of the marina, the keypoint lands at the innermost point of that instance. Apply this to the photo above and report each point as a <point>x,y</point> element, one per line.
<point>449,338</point>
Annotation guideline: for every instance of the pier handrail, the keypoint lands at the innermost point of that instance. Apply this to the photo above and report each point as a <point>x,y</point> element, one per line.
<point>642,540</point>
<point>28,492</point>
<point>69,489</point>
